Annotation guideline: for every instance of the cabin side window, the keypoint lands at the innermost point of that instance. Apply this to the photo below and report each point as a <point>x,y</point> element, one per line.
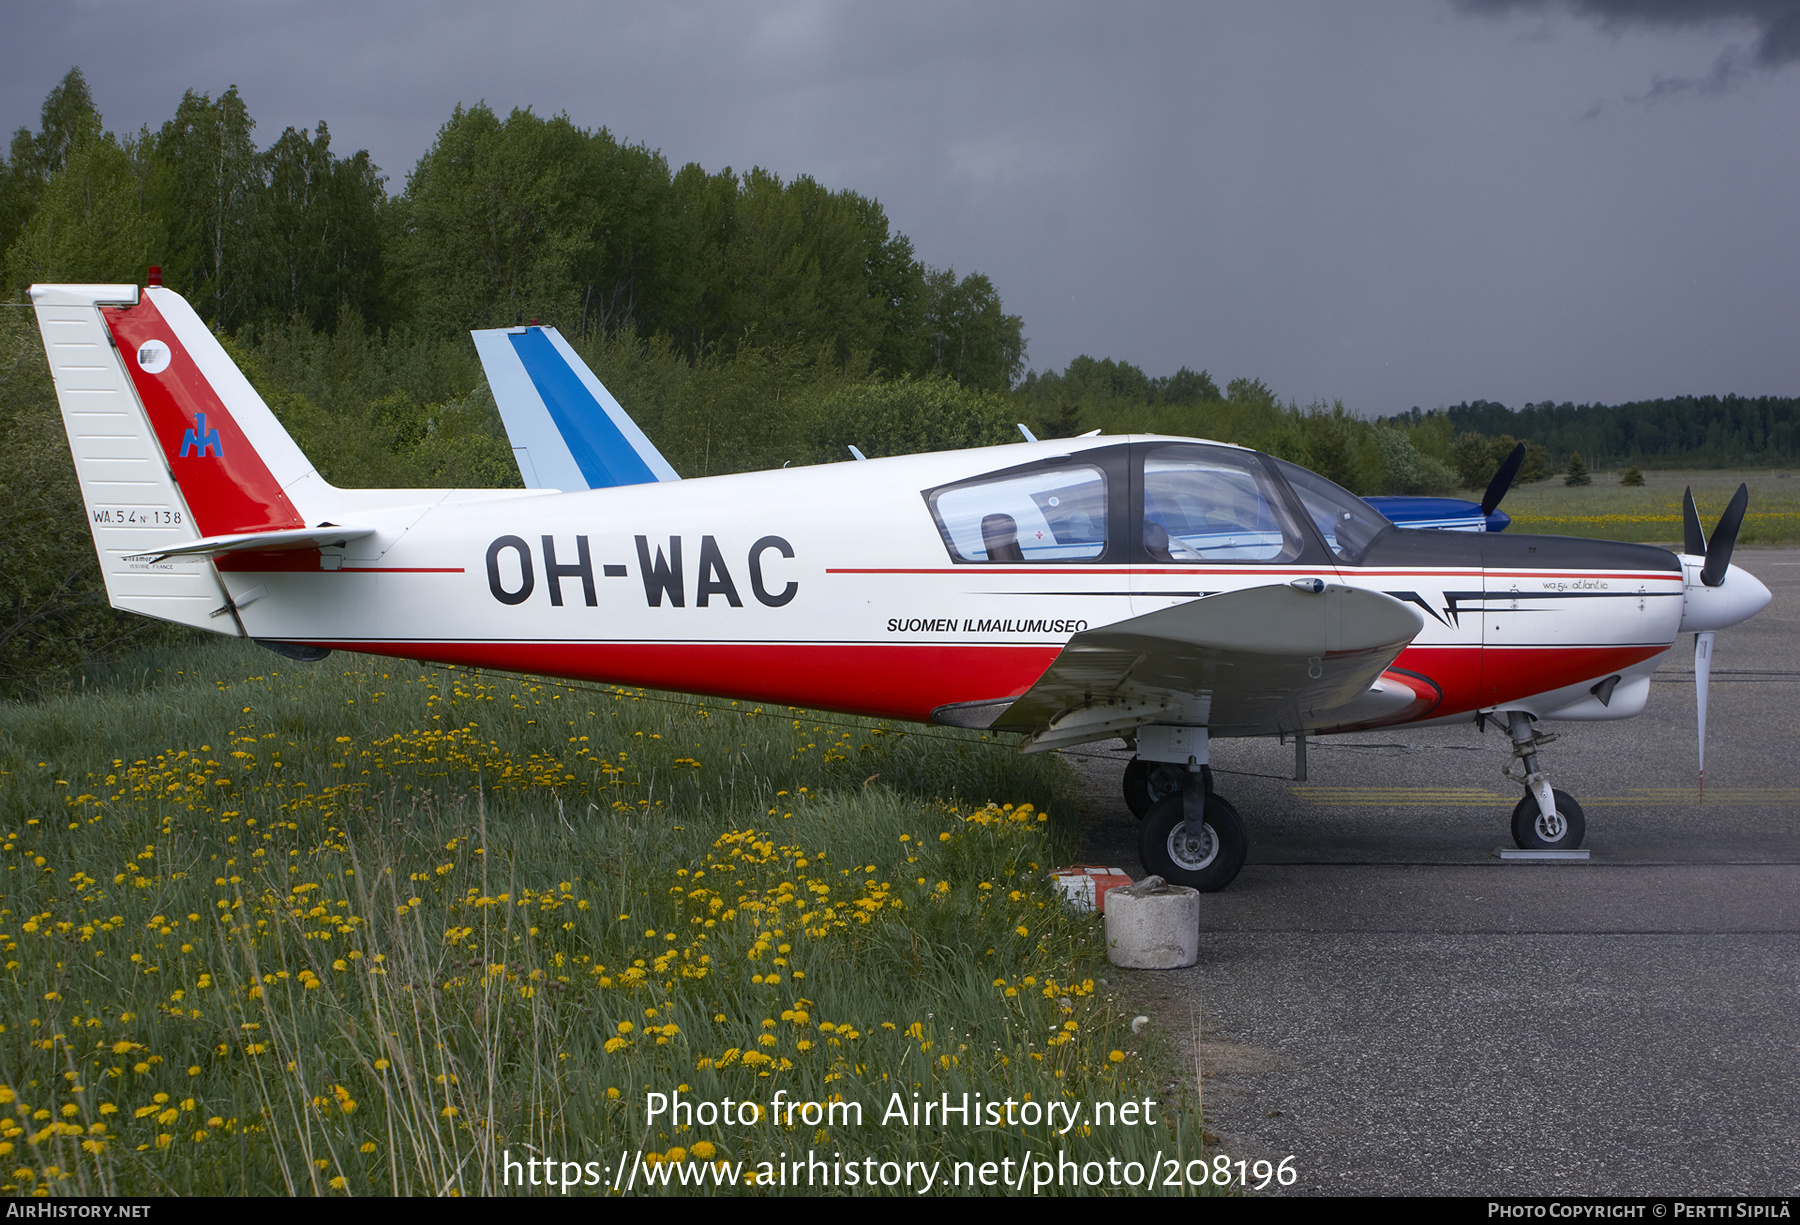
<point>1046,515</point>
<point>1208,504</point>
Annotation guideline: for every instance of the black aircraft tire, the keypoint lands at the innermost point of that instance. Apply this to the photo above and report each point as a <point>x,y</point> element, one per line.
<point>1208,865</point>
<point>1525,829</point>
<point>1149,781</point>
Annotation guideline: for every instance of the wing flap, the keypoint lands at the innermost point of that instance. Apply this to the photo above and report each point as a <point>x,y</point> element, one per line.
<point>1244,663</point>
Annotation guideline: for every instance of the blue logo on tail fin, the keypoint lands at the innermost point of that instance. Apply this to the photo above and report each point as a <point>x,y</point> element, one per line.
<point>200,440</point>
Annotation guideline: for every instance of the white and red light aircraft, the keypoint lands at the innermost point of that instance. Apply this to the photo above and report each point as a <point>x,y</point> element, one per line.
<point>1163,590</point>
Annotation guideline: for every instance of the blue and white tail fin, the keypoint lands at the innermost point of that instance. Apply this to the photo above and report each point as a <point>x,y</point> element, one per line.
<point>567,431</point>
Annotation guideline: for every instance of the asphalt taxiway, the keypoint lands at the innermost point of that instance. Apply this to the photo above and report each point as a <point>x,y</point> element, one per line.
<point>1384,998</point>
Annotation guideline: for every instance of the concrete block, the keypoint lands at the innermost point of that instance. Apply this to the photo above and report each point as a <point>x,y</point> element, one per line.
<point>1153,925</point>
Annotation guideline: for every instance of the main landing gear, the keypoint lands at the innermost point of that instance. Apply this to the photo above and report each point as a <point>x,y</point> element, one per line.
<point>1546,819</point>
<point>1190,835</point>
<point>1146,782</point>
<point>1194,837</point>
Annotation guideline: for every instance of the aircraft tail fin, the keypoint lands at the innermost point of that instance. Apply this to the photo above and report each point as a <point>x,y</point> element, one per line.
<point>173,447</point>
<point>567,431</point>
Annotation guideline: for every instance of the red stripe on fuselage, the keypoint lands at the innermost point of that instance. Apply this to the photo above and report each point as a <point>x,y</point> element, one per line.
<point>1456,671</point>
<point>1427,697</point>
<point>304,561</point>
<point>281,561</point>
<point>889,682</point>
<point>909,682</point>
<point>1476,677</point>
<point>226,484</point>
<point>1511,673</point>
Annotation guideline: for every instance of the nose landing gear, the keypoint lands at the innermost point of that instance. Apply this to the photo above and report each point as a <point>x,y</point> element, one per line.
<point>1546,819</point>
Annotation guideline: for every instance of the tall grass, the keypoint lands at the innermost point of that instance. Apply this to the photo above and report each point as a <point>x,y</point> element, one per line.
<point>373,928</point>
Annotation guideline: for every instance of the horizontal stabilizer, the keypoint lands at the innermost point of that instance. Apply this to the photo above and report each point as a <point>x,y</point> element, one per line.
<point>1243,663</point>
<point>324,537</point>
<point>567,431</point>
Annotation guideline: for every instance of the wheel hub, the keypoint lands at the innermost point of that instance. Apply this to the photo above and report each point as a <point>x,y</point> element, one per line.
<point>1193,845</point>
<point>1551,826</point>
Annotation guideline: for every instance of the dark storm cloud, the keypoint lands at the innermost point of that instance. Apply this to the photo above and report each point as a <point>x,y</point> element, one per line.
<point>1390,202</point>
<point>1776,24</point>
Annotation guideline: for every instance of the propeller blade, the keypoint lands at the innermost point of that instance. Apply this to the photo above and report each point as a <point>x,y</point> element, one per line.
<point>1703,644</point>
<point>1695,540</point>
<point>1724,538</point>
<point>1503,479</point>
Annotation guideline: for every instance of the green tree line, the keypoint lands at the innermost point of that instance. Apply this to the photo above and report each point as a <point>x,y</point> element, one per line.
<point>501,221</point>
<point>1399,456</point>
<point>747,322</point>
<point>744,321</point>
<point>1680,432</point>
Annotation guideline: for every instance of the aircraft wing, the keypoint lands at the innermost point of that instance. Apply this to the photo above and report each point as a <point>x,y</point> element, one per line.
<point>567,431</point>
<point>1279,658</point>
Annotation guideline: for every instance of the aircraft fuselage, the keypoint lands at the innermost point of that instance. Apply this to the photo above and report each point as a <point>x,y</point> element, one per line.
<point>836,587</point>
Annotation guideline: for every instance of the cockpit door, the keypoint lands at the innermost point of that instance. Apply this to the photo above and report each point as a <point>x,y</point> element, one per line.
<point>1206,519</point>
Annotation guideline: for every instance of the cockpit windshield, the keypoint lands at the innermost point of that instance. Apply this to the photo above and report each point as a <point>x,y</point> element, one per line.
<point>1349,524</point>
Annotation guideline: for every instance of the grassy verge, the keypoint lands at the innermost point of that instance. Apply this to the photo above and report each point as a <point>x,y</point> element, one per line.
<point>362,927</point>
<point>1651,513</point>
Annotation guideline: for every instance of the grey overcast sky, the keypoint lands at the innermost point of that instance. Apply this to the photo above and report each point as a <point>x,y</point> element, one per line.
<point>1392,203</point>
